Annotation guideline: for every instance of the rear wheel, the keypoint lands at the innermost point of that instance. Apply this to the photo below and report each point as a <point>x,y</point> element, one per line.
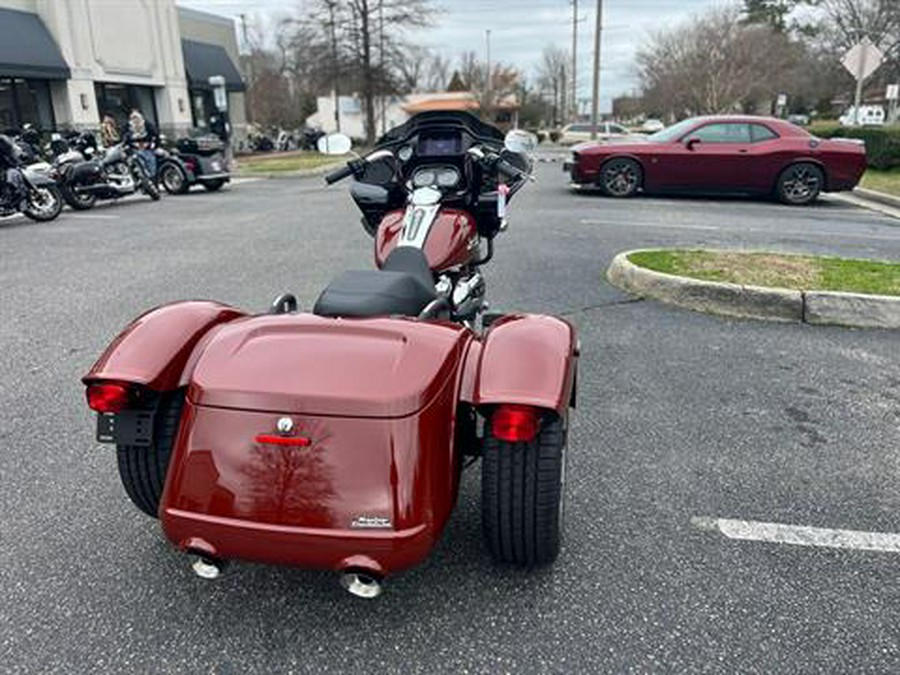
<point>44,203</point>
<point>143,469</point>
<point>620,177</point>
<point>214,185</point>
<point>522,487</point>
<point>173,179</point>
<point>800,184</point>
<point>80,201</point>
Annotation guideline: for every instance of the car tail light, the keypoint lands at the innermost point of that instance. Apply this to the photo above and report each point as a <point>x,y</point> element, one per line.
<point>108,397</point>
<point>285,441</point>
<point>515,423</point>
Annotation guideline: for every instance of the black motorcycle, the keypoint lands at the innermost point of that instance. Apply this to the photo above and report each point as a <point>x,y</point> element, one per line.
<point>32,193</point>
<point>195,161</point>
<point>87,175</point>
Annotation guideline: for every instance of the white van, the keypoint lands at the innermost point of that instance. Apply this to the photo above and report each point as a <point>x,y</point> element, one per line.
<point>869,115</point>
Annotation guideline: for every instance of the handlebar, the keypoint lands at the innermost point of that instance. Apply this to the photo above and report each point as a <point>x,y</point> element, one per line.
<point>339,174</point>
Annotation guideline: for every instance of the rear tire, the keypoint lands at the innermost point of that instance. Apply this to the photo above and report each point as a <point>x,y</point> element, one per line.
<point>79,201</point>
<point>143,469</point>
<point>522,486</point>
<point>800,184</point>
<point>173,179</point>
<point>214,185</point>
<point>621,177</point>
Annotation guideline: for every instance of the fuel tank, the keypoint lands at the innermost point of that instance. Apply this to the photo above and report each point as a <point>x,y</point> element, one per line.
<point>452,240</point>
<point>319,443</point>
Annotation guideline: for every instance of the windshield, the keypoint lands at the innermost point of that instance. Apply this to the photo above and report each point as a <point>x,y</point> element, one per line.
<point>673,132</point>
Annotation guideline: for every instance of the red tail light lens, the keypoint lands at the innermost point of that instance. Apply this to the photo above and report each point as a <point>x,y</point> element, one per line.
<point>285,441</point>
<point>108,397</point>
<point>515,423</point>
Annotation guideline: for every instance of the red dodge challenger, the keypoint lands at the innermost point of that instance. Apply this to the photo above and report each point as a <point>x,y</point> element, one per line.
<point>755,155</point>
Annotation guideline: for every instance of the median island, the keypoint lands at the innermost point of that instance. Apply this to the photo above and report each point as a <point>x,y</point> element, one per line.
<point>765,285</point>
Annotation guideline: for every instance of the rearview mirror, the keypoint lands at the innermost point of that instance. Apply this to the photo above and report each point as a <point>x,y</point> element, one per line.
<point>691,142</point>
<point>334,144</point>
<point>520,141</point>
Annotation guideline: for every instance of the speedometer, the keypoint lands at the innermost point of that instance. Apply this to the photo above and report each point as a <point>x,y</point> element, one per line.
<point>447,177</point>
<point>424,178</point>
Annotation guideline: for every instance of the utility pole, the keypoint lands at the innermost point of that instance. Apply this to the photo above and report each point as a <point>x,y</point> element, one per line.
<point>383,68</point>
<point>574,60</point>
<point>335,73</point>
<point>487,79</point>
<point>595,105</point>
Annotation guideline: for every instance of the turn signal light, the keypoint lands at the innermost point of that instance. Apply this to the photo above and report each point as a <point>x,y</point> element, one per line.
<point>515,423</point>
<point>108,397</point>
<point>288,441</point>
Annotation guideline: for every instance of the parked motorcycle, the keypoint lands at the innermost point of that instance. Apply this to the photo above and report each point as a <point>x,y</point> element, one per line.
<point>23,190</point>
<point>87,174</point>
<point>335,439</point>
<point>196,161</point>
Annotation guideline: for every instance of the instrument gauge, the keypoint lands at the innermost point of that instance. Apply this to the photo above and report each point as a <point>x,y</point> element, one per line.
<point>405,153</point>
<point>448,177</point>
<point>424,178</point>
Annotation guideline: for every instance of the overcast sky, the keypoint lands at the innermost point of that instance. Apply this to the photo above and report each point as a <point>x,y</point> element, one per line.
<point>520,30</point>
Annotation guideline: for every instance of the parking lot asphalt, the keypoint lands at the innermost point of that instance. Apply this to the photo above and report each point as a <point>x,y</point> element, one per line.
<point>681,416</point>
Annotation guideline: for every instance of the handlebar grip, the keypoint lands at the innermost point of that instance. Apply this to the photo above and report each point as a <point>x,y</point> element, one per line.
<point>339,174</point>
<point>509,169</point>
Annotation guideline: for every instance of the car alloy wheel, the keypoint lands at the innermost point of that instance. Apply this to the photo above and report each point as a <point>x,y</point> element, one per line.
<point>621,178</point>
<point>801,184</point>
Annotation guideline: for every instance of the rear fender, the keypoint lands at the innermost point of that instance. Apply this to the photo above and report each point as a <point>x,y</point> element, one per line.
<point>524,359</point>
<point>155,350</point>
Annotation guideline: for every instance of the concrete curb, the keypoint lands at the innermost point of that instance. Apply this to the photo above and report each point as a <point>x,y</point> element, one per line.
<point>302,173</point>
<point>756,302</point>
<point>880,197</point>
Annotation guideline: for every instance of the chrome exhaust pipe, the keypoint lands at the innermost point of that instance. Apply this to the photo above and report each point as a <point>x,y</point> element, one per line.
<point>208,568</point>
<point>362,584</point>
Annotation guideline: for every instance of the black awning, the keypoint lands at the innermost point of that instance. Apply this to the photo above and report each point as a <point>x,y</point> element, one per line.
<point>203,60</point>
<point>27,48</point>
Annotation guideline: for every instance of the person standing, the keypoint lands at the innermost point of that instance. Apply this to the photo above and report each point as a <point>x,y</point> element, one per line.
<point>109,131</point>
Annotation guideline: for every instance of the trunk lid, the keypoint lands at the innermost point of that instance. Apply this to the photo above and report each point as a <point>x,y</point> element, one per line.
<point>384,368</point>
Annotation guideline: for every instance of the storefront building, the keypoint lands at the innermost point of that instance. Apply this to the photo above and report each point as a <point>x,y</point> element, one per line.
<point>66,64</point>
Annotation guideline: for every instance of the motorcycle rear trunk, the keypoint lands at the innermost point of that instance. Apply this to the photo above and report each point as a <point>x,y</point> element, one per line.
<point>318,443</point>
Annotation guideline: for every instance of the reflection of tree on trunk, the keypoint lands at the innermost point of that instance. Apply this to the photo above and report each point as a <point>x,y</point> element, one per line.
<point>291,485</point>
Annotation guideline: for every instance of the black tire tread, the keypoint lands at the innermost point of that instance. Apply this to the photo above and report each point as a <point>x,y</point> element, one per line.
<point>520,493</point>
<point>143,469</point>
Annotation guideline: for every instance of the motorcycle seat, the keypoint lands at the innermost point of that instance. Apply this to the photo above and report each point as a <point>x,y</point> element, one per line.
<point>404,287</point>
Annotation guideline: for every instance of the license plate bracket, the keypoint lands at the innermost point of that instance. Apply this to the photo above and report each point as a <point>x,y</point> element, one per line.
<point>129,427</point>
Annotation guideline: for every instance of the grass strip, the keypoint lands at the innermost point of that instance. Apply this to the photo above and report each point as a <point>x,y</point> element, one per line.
<point>883,181</point>
<point>796,272</point>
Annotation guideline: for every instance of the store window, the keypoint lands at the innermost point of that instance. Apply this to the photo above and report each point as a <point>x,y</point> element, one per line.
<point>119,100</point>
<point>202,106</point>
<point>25,102</point>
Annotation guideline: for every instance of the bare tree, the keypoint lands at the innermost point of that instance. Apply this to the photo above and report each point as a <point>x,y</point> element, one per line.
<point>715,64</point>
<point>552,77</point>
<point>849,21</point>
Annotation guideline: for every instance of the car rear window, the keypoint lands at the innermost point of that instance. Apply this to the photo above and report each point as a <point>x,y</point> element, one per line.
<point>760,132</point>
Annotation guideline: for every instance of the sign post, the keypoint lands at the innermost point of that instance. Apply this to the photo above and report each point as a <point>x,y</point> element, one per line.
<point>892,95</point>
<point>861,60</point>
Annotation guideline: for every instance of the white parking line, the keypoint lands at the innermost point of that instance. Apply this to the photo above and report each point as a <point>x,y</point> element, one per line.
<point>800,535</point>
<point>738,230</point>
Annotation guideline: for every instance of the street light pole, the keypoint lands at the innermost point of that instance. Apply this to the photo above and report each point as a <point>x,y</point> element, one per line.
<point>574,60</point>
<point>335,73</point>
<point>595,105</point>
<point>487,79</point>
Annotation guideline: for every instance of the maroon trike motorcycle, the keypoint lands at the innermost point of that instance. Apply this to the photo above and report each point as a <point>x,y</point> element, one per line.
<point>335,439</point>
